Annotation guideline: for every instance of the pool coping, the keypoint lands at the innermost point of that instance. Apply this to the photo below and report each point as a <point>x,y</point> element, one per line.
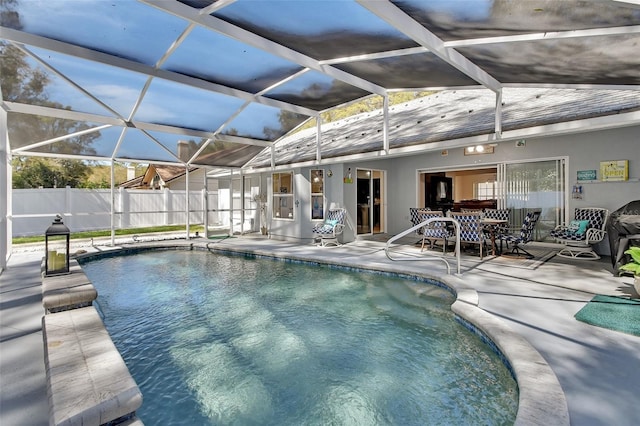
<point>541,399</point>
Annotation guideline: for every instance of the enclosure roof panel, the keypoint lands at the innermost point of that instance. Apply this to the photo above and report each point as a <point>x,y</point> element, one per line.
<point>455,119</point>
<point>136,79</point>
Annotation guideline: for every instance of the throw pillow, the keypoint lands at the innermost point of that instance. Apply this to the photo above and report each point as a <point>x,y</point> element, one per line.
<point>331,223</point>
<point>326,228</point>
<point>578,227</point>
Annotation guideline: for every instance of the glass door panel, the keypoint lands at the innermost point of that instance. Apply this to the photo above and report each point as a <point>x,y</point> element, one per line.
<point>371,202</point>
<point>378,206</point>
<point>364,190</point>
<point>537,185</point>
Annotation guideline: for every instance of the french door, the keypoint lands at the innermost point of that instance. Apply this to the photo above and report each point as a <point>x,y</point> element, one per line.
<point>534,185</point>
<point>371,201</point>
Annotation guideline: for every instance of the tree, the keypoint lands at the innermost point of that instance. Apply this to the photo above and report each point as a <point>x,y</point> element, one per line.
<point>25,84</point>
<point>366,105</point>
<point>36,172</point>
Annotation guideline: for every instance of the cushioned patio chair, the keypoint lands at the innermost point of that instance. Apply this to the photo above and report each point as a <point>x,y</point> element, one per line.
<point>524,236</point>
<point>332,226</point>
<point>434,231</point>
<point>471,230</point>
<point>587,229</point>
<point>498,214</point>
<point>415,218</point>
<point>492,230</point>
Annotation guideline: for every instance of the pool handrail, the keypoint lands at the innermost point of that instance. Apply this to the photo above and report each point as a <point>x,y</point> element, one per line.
<point>420,225</point>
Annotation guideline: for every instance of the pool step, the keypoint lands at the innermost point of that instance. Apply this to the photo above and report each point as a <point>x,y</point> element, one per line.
<point>404,303</point>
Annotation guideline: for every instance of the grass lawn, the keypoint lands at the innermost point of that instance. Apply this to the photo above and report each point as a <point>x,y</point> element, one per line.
<point>107,233</point>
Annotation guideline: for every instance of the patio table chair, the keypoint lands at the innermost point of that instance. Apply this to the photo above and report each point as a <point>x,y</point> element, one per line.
<point>493,229</point>
<point>498,214</point>
<point>471,230</point>
<point>434,231</point>
<point>524,236</point>
<point>582,233</point>
<point>415,218</point>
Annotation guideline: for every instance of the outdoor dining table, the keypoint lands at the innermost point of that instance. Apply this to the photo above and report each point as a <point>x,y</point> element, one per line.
<point>491,226</point>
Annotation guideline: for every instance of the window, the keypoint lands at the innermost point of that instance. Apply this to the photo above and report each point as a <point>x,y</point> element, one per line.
<point>485,190</point>
<point>282,195</point>
<point>317,194</point>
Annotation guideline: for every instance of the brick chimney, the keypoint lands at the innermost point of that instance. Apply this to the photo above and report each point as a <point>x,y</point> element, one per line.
<point>183,150</point>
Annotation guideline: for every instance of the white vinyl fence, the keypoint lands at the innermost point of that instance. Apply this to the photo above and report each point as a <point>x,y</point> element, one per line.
<point>90,209</point>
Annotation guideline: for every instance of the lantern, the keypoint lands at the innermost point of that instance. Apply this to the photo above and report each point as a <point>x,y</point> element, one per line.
<point>56,248</point>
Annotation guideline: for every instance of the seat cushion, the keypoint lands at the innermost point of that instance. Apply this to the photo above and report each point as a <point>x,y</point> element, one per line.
<point>567,234</point>
<point>322,228</point>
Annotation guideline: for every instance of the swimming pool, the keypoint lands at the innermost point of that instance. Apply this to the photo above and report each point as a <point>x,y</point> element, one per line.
<point>214,339</point>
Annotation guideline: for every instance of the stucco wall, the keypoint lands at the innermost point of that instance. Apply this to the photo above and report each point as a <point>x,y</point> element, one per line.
<point>583,151</point>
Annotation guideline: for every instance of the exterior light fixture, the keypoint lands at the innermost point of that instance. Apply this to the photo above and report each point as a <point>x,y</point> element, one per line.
<point>56,241</point>
<point>478,149</point>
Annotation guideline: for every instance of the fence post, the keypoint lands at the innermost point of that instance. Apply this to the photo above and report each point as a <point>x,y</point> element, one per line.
<point>125,214</point>
<point>205,216</point>
<point>68,207</point>
<point>186,191</point>
<point>167,206</point>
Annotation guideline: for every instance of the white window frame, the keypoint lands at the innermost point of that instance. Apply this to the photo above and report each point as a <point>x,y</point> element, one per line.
<point>315,196</point>
<point>282,197</point>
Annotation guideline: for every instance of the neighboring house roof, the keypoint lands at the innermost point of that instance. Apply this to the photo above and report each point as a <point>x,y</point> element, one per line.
<point>450,115</point>
<point>132,183</point>
<point>167,174</point>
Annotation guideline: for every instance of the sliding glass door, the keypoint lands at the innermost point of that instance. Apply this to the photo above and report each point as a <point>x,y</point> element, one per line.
<point>371,201</point>
<point>535,185</point>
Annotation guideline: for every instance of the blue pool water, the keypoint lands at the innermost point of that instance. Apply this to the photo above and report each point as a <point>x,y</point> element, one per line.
<point>214,339</point>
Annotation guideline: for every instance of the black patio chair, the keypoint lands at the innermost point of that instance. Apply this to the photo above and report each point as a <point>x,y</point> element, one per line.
<point>524,236</point>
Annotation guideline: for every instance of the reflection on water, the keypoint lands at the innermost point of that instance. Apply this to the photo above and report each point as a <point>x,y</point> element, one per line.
<point>228,340</point>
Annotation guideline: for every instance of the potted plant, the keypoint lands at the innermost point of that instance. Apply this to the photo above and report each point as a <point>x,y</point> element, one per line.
<point>633,266</point>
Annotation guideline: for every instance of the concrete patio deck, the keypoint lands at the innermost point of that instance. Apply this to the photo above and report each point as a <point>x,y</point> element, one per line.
<point>598,369</point>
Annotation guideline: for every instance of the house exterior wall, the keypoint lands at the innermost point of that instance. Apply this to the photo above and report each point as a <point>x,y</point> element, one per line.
<point>300,227</point>
<point>584,151</point>
<point>196,181</point>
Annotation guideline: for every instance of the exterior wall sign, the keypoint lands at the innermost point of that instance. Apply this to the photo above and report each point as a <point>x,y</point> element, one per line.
<point>614,171</point>
<point>586,175</point>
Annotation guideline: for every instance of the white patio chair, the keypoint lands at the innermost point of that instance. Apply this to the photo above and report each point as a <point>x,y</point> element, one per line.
<point>587,229</point>
<point>333,226</point>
